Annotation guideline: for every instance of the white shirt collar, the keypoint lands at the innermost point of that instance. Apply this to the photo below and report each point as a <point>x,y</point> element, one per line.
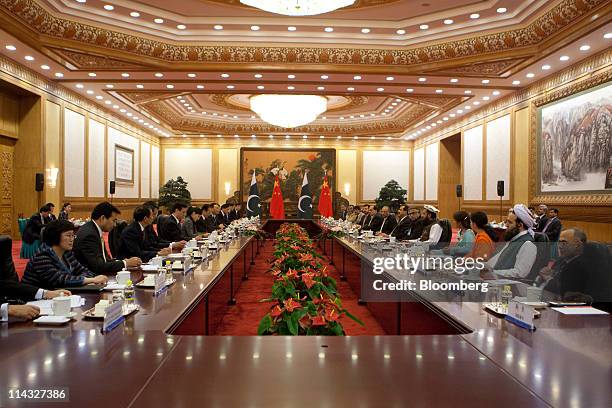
<point>177,220</point>
<point>141,227</point>
<point>98,227</point>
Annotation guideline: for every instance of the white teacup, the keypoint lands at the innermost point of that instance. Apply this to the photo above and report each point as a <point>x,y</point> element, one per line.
<point>123,277</point>
<point>61,306</point>
<point>392,239</point>
<point>534,294</point>
<point>192,243</point>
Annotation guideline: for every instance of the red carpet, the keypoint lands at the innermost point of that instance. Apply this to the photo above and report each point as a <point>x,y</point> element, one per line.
<point>243,318</point>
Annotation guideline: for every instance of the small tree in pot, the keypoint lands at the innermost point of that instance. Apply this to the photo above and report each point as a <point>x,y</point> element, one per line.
<point>174,191</point>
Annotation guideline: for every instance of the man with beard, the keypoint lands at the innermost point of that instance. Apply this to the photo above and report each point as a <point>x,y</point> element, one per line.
<point>432,231</point>
<point>541,219</point>
<point>415,230</point>
<point>518,255</point>
<point>365,215</point>
<point>400,230</point>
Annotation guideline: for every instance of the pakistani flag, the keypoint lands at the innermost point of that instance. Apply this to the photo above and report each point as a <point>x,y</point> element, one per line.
<point>252,205</point>
<point>305,202</point>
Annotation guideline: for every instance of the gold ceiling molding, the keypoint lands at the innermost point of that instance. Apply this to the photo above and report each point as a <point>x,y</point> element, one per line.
<point>86,61</point>
<point>139,97</point>
<point>33,16</point>
<point>483,69</point>
<point>35,80</point>
<point>343,102</point>
<point>357,4</point>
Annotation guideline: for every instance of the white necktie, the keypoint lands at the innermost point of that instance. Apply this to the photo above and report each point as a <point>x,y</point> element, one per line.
<point>103,249</point>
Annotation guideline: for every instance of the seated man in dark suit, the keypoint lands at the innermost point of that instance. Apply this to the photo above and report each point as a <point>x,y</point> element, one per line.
<point>223,218</point>
<point>152,241</point>
<point>89,246</point>
<point>231,211</point>
<point>214,219</point>
<point>133,240</point>
<point>375,220</point>
<point>35,224</point>
<point>51,216</point>
<point>388,221</point>
<point>237,211</point>
<point>170,229</point>
<point>582,272</point>
<point>417,225</point>
<point>13,294</point>
<point>399,231</point>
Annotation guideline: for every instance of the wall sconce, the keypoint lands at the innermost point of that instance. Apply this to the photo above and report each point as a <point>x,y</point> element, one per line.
<point>52,174</point>
<point>228,188</point>
<point>347,189</point>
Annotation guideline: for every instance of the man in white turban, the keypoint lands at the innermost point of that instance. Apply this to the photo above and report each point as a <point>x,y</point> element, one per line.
<point>518,255</point>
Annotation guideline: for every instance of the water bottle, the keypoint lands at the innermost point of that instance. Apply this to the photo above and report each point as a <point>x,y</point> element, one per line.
<point>128,294</point>
<point>506,295</point>
<point>168,270</point>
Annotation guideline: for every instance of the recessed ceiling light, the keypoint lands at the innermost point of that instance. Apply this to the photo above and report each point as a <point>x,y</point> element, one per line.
<point>409,90</point>
<point>29,58</point>
<point>390,78</point>
<point>502,10</point>
<point>287,136</point>
<point>564,58</point>
<point>125,75</point>
<point>401,32</point>
<point>224,75</point>
<point>496,93</point>
<point>324,76</point>
<point>365,30</point>
<point>452,115</point>
<point>81,1</point>
<point>159,74</point>
<point>139,86</point>
<point>468,107</point>
<point>159,21</point>
<point>122,110</point>
<point>357,77</point>
<point>380,89</point>
<point>329,29</point>
<point>200,86</point>
<point>291,76</point>
<point>350,88</point>
<point>607,36</point>
<point>439,91</point>
<point>91,74</point>
<point>467,92</point>
<point>530,75</point>
<point>135,14</point>
<point>291,28</point>
<point>230,87</point>
<point>320,88</point>
<point>423,26</point>
<point>260,87</point>
<point>191,75</point>
<point>321,137</point>
<point>258,76</point>
<point>90,92</point>
<point>454,80</point>
<point>485,98</point>
<point>545,67</point>
<point>485,81</point>
<point>99,97</point>
<point>181,26</point>
<point>291,88</point>
<point>59,75</point>
<point>448,21</point>
<point>115,106</point>
<point>170,86</point>
<point>80,86</point>
<point>474,16</point>
<point>45,67</point>
<point>476,103</point>
<point>585,47</point>
<point>109,7</point>
<point>10,47</point>
<point>460,111</point>
<point>516,82</point>
<point>110,86</point>
<point>218,27</point>
<point>422,79</point>
<point>255,28</point>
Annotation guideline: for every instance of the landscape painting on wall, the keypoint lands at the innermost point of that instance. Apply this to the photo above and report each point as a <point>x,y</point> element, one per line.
<point>575,144</point>
<point>291,165</point>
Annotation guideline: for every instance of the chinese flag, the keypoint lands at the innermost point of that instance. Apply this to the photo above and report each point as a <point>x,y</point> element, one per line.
<point>325,200</point>
<point>277,206</point>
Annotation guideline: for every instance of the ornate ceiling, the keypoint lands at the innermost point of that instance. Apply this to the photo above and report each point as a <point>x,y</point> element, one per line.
<point>190,66</point>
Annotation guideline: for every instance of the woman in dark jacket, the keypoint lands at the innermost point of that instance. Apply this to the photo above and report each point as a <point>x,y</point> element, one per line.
<point>54,265</point>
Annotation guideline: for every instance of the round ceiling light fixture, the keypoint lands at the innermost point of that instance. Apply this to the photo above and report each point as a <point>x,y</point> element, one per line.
<point>288,111</point>
<point>298,7</point>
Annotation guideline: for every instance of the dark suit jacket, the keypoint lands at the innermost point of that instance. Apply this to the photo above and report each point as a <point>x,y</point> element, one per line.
<point>32,229</point>
<point>554,229</point>
<point>373,223</point>
<point>365,220</point>
<point>133,244</point>
<point>170,230</point>
<point>223,219</point>
<point>88,251</point>
<point>152,241</point>
<point>400,231</point>
<point>387,225</point>
<point>234,215</point>
<point>11,290</point>
<point>540,223</point>
<point>416,229</point>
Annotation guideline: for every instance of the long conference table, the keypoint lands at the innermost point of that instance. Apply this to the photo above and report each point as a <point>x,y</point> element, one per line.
<point>435,353</point>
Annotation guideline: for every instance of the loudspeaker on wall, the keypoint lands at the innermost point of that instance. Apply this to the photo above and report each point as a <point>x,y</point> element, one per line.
<point>459,191</point>
<point>111,189</point>
<point>40,182</point>
<point>500,188</point>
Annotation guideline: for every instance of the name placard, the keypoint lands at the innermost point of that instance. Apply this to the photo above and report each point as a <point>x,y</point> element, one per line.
<point>521,314</point>
<point>113,316</point>
<point>160,283</point>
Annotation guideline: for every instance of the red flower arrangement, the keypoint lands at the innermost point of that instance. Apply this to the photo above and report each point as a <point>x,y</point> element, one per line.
<point>305,296</point>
